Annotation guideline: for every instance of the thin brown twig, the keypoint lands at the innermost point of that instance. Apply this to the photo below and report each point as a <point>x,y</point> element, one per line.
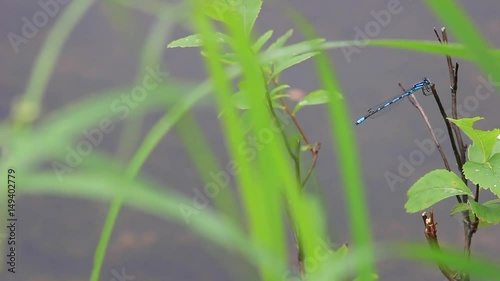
<point>313,148</point>
<point>313,163</point>
<point>472,227</point>
<point>469,227</point>
<point>448,58</point>
<point>415,102</point>
<point>463,148</point>
<point>296,123</point>
<point>448,127</point>
<point>437,35</point>
<point>453,73</point>
<point>454,112</point>
<point>296,158</point>
<point>469,231</point>
<point>282,131</point>
<point>455,78</point>
<point>300,258</point>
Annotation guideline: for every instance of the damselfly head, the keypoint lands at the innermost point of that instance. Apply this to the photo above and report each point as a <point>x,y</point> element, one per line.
<point>426,89</point>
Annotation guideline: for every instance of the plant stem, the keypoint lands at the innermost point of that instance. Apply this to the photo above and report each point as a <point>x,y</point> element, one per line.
<point>415,102</point>
<point>314,149</point>
<point>431,236</point>
<point>450,132</point>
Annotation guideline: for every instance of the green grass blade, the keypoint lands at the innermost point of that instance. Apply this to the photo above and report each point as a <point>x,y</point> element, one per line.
<point>454,50</point>
<point>475,266</point>
<point>60,128</point>
<point>231,129</point>
<point>152,139</point>
<point>151,55</point>
<point>151,198</point>
<point>350,168</point>
<point>208,166</point>
<point>261,196</point>
<point>462,27</point>
<point>46,60</point>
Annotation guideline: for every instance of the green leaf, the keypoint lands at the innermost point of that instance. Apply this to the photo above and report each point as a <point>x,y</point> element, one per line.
<point>216,9</point>
<point>276,55</point>
<point>496,147</point>
<point>249,10</point>
<point>262,40</point>
<point>240,101</point>
<point>487,175</point>
<point>281,41</point>
<point>279,89</point>
<point>277,105</point>
<point>342,252</point>
<point>489,213</point>
<point>465,30</point>
<point>494,201</point>
<point>246,121</point>
<point>305,147</point>
<point>485,140</point>
<point>294,139</point>
<point>434,187</point>
<point>475,154</point>
<point>245,10</point>
<point>280,96</point>
<point>228,58</point>
<point>194,40</point>
<point>459,208</point>
<point>280,66</point>
<point>373,276</point>
<point>483,224</point>
<point>316,97</point>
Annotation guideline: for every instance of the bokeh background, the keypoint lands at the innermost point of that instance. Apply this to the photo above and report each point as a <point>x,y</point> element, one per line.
<point>58,235</point>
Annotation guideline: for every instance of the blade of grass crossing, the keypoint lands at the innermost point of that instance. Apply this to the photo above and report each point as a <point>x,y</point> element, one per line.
<point>251,181</point>
<point>150,57</point>
<point>348,157</point>
<point>152,139</point>
<point>146,196</point>
<point>274,162</point>
<point>46,60</point>
<point>208,166</point>
<point>461,26</point>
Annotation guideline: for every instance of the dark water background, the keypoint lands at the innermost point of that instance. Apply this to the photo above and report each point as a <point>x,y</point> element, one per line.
<point>58,236</point>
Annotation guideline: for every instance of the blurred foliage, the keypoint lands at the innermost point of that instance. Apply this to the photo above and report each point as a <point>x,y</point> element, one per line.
<point>271,185</point>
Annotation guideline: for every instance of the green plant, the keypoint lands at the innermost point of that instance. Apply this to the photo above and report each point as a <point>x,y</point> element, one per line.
<point>481,168</point>
<point>272,186</point>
